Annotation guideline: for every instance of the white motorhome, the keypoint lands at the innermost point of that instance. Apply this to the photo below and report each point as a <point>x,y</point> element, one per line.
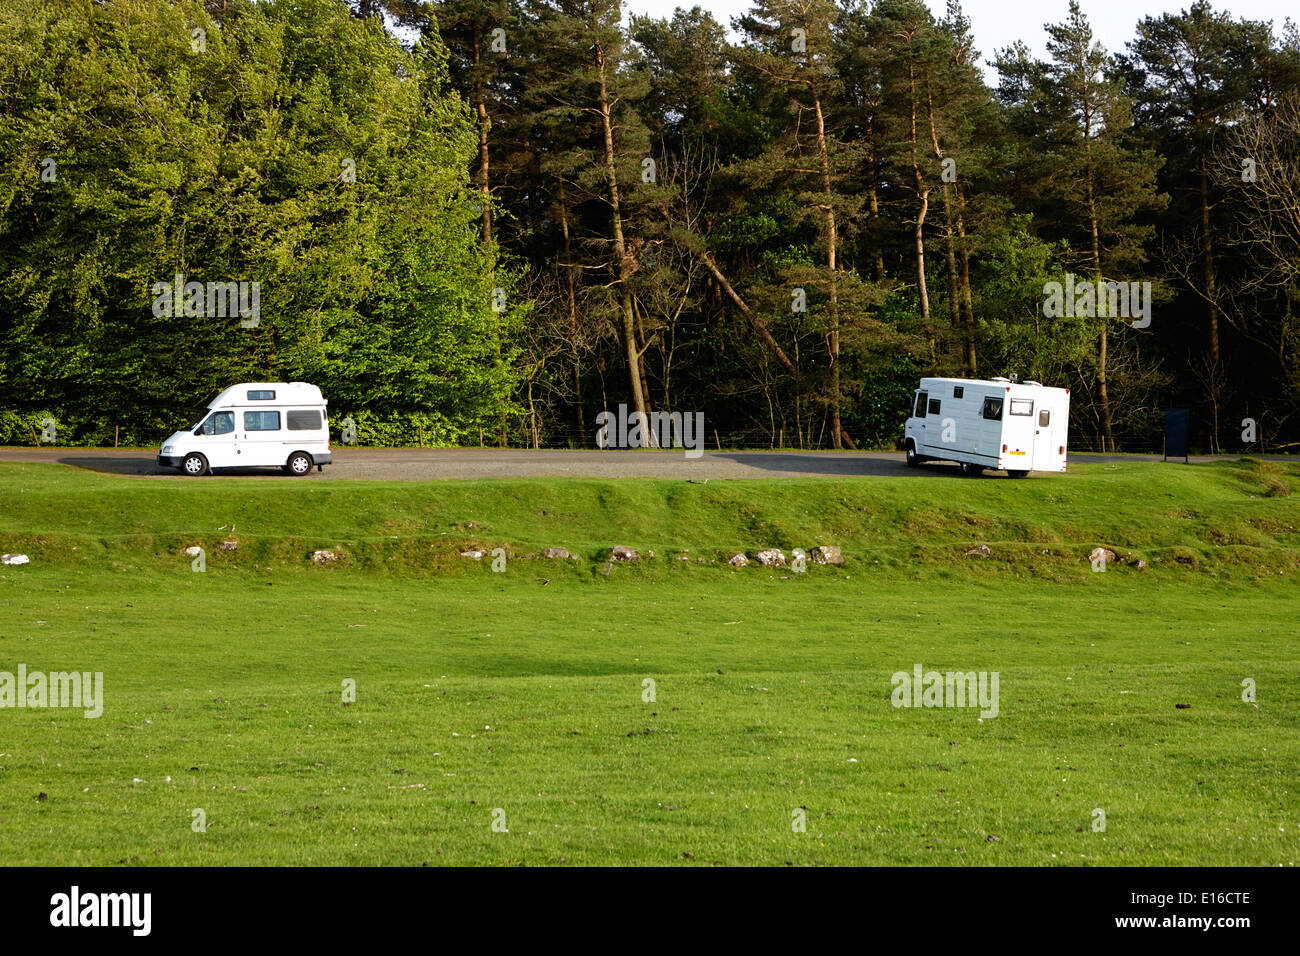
<point>999,423</point>
<point>255,424</point>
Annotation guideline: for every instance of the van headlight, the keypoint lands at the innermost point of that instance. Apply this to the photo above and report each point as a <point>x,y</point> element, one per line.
<point>167,449</point>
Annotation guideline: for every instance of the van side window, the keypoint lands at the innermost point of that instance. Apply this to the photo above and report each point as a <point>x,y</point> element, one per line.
<point>221,423</point>
<point>261,421</point>
<point>993,409</point>
<point>934,406</point>
<point>958,391</point>
<point>920,404</point>
<point>1022,406</point>
<point>302,420</point>
<point>262,395</point>
<point>1044,418</point>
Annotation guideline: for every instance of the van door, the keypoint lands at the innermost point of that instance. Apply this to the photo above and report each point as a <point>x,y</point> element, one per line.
<point>1018,433</point>
<point>261,442</point>
<point>1045,427</point>
<point>215,439</point>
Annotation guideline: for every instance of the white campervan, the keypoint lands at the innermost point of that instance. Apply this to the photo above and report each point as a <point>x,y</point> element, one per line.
<point>256,424</point>
<point>999,423</point>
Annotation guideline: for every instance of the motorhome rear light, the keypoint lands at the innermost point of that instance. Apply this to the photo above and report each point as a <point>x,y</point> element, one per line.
<point>1062,451</point>
<point>1004,449</point>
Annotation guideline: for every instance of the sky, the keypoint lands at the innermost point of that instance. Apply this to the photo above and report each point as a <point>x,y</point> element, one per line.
<point>999,23</point>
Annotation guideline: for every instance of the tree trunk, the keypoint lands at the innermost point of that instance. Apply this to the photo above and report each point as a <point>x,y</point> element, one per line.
<point>755,322</point>
<point>569,266</point>
<point>923,195</point>
<point>1212,305</point>
<point>1103,395</point>
<point>967,304</point>
<point>480,106</point>
<point>832,277</point>
<point>623,266</point>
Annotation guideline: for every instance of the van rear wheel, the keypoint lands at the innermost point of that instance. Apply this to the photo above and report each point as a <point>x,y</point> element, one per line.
<point>1018,474</point>
<point>970,470</point>
<point>194,465</point>
<point>299,463</point>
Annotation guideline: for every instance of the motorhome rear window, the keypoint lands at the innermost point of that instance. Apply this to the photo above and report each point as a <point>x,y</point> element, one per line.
<point>262,395</point>
<point>261,421</point>
<point>993,409</point>
<point>302,420</point>
<point>1022,406</point>
<point>934,406</point>
<point>958,391</point>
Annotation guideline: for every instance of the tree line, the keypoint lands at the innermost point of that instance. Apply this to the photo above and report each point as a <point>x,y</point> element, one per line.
<point>554,212</point>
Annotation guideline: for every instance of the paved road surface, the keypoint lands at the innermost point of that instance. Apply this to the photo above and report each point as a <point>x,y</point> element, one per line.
<point>423,464</point>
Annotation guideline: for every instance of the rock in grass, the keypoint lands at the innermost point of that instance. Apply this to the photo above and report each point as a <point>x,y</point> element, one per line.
<point>739,561</point>
<point>979,551</point>
<point>15,559</point>
<point>1102,556</point>
<point>558,554</point>
<point>325,556</point>
<point>476,554</point>
<point>229,545</point>
<point>620,553</point>
<point>771,558</point>
<point>827,554</point>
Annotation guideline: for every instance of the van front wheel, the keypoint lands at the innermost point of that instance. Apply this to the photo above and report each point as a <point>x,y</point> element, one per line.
<point>299,463</point>
<point>913,459</point>
<point>194,465</point>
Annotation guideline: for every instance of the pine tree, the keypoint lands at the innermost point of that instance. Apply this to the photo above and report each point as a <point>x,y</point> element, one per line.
<point>1100,184</point>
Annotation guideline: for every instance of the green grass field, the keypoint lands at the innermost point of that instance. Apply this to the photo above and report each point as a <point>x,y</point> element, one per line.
<point>523,691</point>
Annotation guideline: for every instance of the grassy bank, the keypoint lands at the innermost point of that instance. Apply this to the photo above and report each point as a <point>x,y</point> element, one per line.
<point>525,691</point>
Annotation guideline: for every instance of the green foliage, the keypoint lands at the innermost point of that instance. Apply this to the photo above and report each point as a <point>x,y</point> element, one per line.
<point>226,156</point>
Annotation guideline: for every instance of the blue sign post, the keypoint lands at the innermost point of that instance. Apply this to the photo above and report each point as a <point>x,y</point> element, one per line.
<point>1176,434</point>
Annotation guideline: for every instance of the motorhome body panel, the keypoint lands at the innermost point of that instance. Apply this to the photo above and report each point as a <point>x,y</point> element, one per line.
<point>991,423</point>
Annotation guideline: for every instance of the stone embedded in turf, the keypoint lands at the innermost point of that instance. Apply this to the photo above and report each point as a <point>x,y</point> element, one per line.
<point>827,554</point>
<point>15,559</point>
<point>620,553</point>
<point>1102,556</point>
<point>771,558</point>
